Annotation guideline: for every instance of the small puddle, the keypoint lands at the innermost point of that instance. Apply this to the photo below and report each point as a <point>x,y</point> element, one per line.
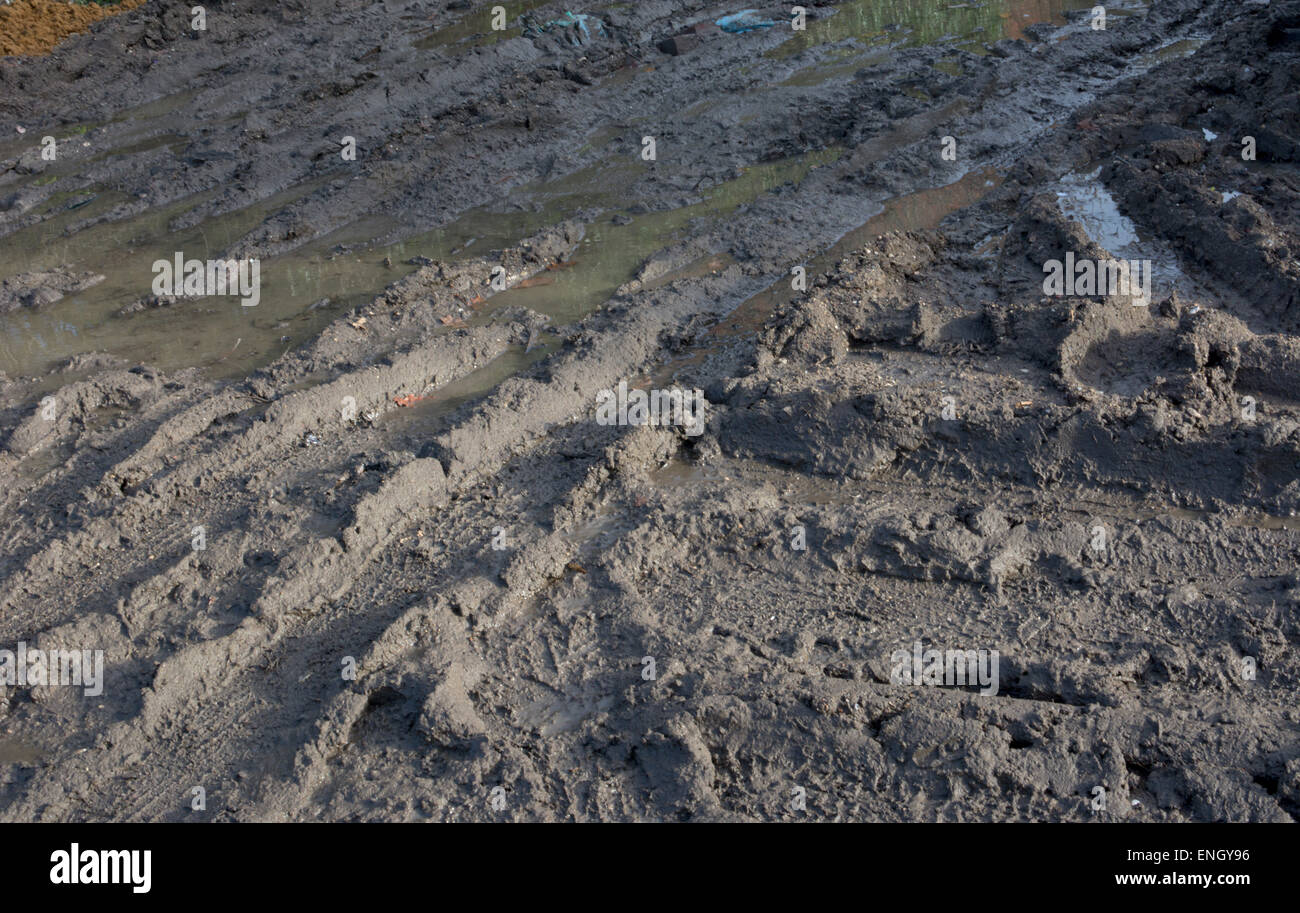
<point>474,29</point>
<point>20,752</point>
<point>609,255</point>
<point>968,26</point>
<point>559,715</point>
<point>836,65</point>
<point>924,209</point>
<point>1084,199</point>
<point>1249,520</point>
<point>1145,513</point>
<point>137,118</point>
<point>190,332</point>
<point>1174,50</point>
<point>159,107</point>
<point>72,167</point>
<point>132,132</point>
<point>793,487</point>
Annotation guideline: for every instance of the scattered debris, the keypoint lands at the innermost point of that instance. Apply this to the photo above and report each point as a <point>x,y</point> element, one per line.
<point>577,28</point>
<point>744,21</point>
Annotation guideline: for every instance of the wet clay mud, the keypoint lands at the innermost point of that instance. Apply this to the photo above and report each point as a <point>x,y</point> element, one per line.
<point>369,548</point>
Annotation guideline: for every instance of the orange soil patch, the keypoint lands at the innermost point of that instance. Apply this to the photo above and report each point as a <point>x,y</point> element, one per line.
<point>37,26</point>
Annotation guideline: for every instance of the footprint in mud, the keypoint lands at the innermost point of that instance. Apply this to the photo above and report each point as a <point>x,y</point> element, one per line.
<point>1128,364</point>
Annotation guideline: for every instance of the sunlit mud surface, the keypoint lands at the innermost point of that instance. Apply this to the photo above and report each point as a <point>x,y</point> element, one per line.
<point>372,547</point>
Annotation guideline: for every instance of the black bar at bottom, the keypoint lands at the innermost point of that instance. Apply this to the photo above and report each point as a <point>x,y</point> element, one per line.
<point>361,863</point>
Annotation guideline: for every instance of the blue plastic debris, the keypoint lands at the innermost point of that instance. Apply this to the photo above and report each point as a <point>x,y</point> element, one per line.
<point>581,31</point>
<point>744,21</point>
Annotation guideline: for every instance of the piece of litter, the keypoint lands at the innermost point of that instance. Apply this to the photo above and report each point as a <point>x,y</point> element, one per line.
<point>577,30</point>
<point>1209,136</point>
<point>744,21</point>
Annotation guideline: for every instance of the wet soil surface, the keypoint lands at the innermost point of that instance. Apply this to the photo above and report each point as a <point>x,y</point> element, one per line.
<point>366,550</point>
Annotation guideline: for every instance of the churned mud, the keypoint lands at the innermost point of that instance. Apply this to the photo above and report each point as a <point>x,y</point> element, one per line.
<point>362,544</point>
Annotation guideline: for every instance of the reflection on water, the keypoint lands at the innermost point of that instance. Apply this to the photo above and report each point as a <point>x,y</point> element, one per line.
<point>19,752</point>
<point>611,252</point>
<point>608,256</point>
<point>474,28</point>
<point>923,209</point>
<point>303,290</point>
<point>190,332</point>
<point>1084,199</point>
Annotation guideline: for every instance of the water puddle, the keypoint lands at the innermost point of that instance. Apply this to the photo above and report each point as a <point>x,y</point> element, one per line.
<point>836,65</point>
<point>609,255</point>
<point>1085,199</point>
<point>20,753</point>
<point>190,332</point>
<point>152,110</point>
<point>1249,520</point>
<point>302,290</point>
<point>474,29</point>
<point>136,121</point>
<point>924,209</point>
<point>598,530</point>
<point>71,167</point>
<point>968,26</point>
<point>613,249</point>
<point>133,131</point>
<point>560,715</point>
<point>1174,50</point>
<point>794,488</point>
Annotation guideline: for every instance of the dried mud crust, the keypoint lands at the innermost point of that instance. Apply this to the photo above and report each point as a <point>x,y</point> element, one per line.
<point>523,668</point>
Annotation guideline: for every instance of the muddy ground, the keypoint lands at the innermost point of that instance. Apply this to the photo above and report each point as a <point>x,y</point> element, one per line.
<point>431,585</point>
<point>39,26</point>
